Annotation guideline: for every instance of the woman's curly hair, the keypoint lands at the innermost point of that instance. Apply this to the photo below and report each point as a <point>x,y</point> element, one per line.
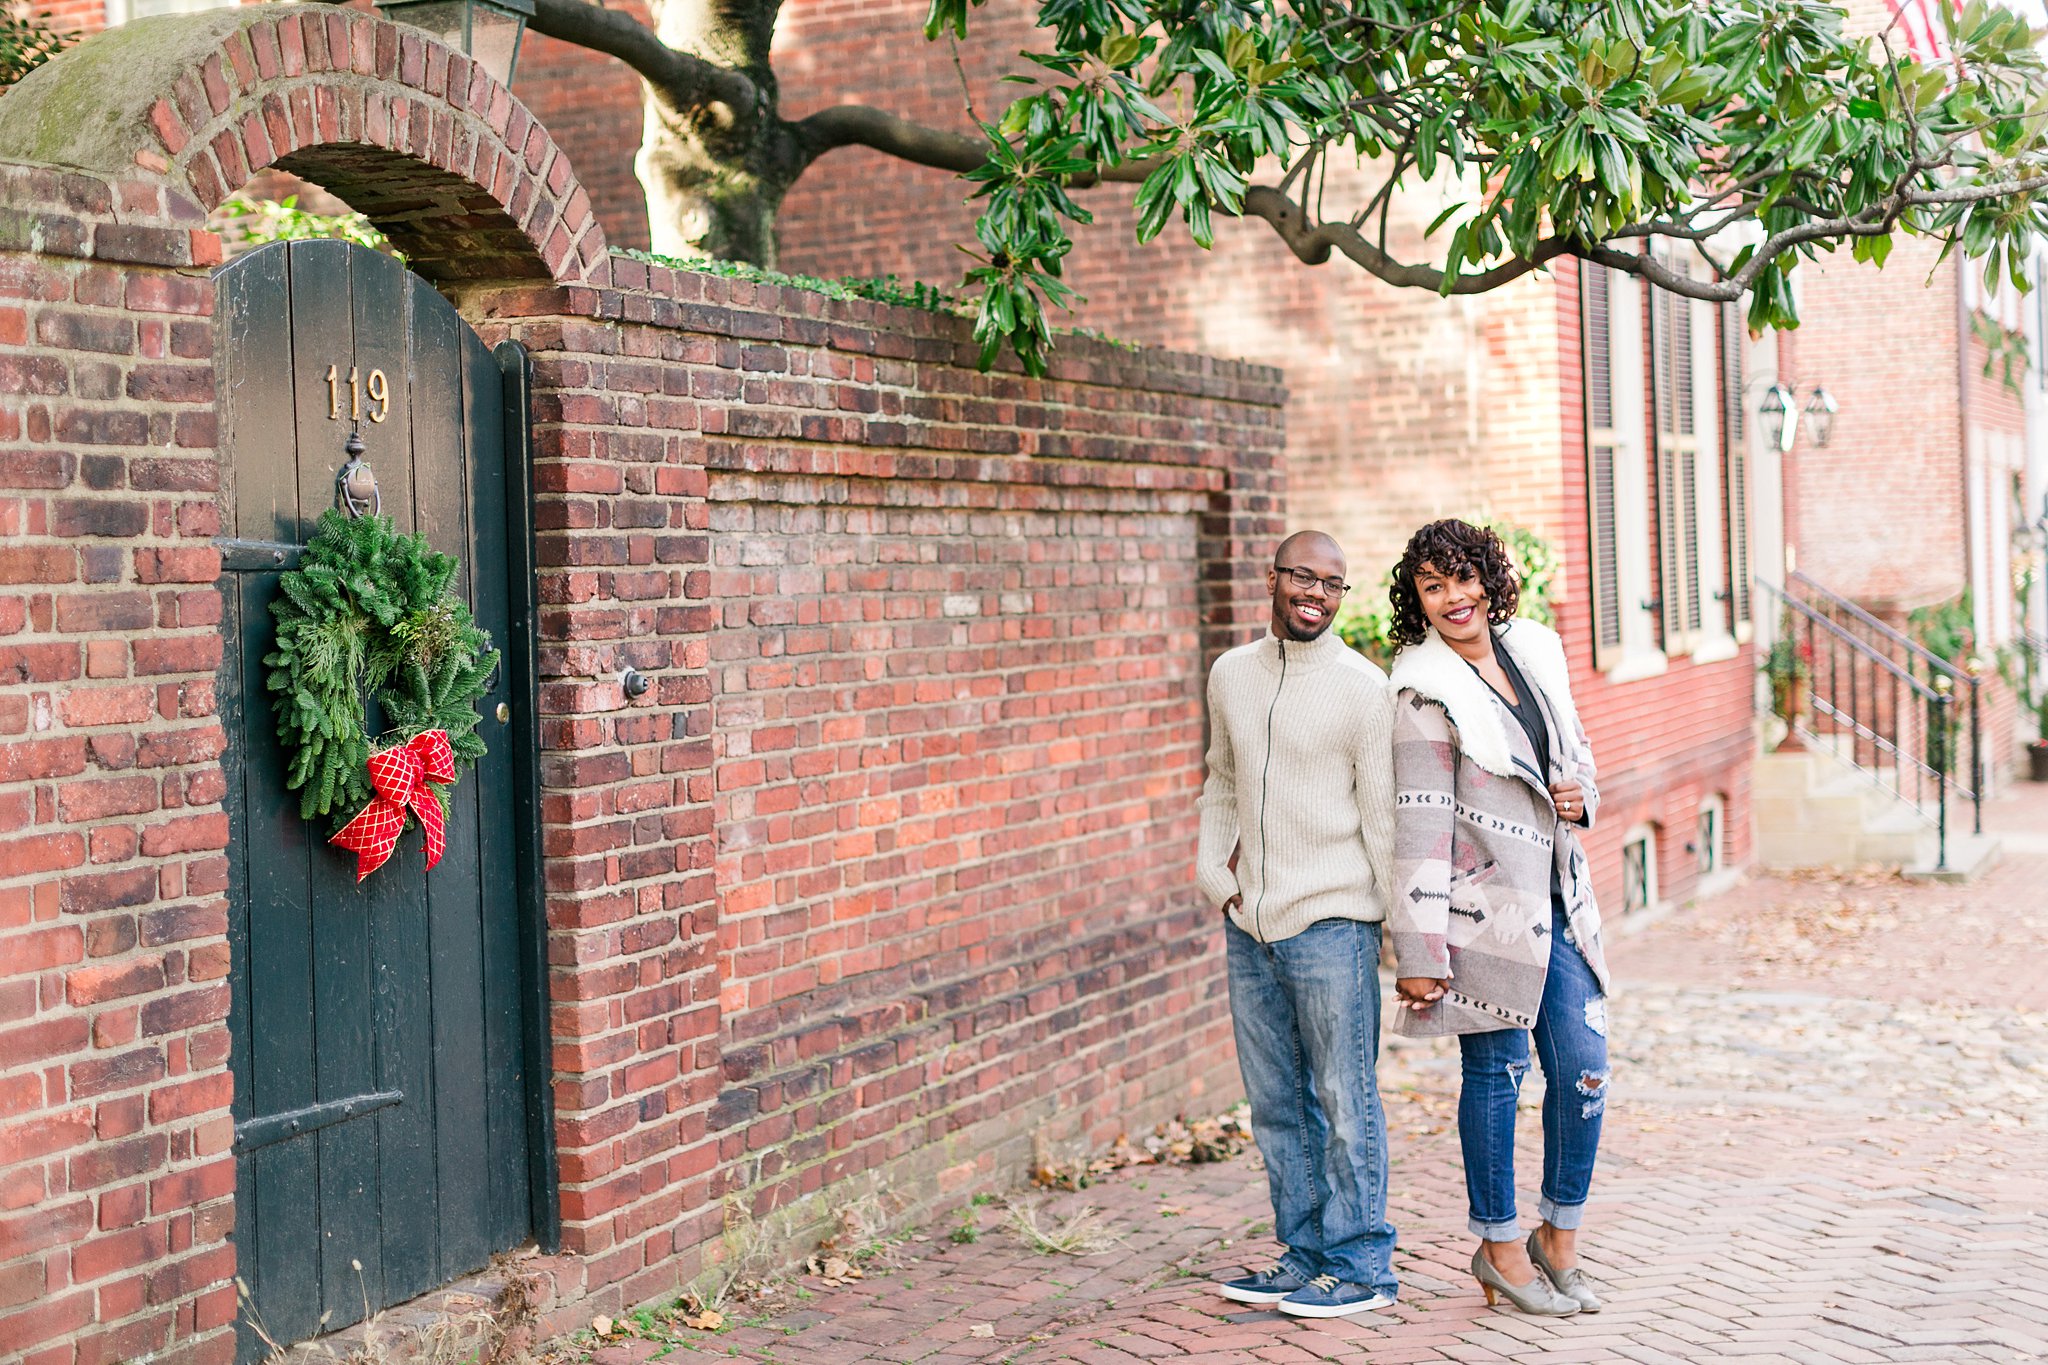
<point>1449,547</point>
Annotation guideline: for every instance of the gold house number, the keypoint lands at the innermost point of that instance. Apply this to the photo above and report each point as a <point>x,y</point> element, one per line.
<point>376,388</point>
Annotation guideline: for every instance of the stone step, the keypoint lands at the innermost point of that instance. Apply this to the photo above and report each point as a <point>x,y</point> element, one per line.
<point>1970,856</point>
<point>1811,812</point>
<point>1896,837</point>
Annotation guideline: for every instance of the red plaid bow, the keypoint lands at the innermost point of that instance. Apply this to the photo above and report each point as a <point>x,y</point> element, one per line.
<point>399,776</point>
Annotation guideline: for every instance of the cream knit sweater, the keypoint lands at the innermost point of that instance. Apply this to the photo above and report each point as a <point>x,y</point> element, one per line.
<point>1301,783</point>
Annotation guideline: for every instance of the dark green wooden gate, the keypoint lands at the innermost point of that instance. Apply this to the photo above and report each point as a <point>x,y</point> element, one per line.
<point>387,1038</point>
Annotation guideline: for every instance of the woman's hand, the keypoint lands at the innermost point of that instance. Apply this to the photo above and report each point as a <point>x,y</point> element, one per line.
<point>1570,800</point>
<point>1418,993</point>
<point>1236,899</point>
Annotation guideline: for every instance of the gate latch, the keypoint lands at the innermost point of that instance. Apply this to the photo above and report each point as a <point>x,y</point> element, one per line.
<point>357,482</point>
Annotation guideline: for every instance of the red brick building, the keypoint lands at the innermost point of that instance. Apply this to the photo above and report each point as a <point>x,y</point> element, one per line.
<point>1933,482</point>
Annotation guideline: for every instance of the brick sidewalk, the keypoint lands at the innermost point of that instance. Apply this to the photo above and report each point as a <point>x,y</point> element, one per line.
<point>1829,1142</point>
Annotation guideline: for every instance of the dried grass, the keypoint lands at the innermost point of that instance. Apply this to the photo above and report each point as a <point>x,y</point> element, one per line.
<point>474,1331</point>
<point>1084,1232</point>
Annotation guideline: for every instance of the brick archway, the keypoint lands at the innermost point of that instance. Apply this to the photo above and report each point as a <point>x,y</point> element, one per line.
<point>418,138</point>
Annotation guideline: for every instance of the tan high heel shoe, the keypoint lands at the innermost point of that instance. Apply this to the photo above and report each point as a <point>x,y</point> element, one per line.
<point>1571,1283</point>
<point>1538,1296</point>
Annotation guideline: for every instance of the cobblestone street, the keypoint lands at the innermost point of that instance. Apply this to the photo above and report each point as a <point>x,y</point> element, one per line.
<point>1828,1142</point>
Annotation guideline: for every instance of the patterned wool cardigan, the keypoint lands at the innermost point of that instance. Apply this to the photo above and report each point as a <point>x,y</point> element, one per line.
<point>1475,835</point>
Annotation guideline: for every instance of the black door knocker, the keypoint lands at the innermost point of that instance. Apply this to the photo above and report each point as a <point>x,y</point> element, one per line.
<point>357,482</point>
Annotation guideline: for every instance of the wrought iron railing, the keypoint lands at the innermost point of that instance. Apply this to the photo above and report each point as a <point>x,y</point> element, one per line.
<point>1906,718</point>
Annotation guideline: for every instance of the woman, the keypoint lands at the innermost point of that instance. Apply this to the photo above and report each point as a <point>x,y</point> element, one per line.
<point>1494,928</point>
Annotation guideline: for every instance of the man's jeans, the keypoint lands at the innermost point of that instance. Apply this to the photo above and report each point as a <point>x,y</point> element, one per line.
<point>1307,1017</point>
<point>1571,1041</point>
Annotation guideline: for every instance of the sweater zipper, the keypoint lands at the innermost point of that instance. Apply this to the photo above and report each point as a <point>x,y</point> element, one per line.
<point>1265,777</point>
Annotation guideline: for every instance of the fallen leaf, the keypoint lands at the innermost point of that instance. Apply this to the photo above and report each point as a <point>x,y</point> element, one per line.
<point>838,1268</point>
<point>710,1320</point>
<point>601,1325</point>
<point>982,1329</point>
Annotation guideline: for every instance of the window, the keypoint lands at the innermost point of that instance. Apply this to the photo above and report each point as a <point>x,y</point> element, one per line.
<point>1685,379</point>
<point>1617,482</point>
<point>1639,869</point>
<point>1707,842</point>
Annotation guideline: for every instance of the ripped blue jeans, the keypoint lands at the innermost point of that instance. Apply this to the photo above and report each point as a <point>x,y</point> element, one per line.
<point>1571,1041</point>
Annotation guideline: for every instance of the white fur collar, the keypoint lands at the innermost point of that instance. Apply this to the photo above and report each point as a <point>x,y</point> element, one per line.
<point>1436,671</point>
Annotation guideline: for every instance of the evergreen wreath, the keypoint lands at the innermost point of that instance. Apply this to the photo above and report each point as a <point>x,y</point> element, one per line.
<point>370,611</point>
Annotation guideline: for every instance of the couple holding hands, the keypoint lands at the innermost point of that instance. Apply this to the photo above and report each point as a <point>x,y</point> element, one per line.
<point>1443,803</point>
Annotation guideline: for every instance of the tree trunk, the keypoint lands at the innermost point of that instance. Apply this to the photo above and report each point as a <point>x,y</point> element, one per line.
<point>714,175</point>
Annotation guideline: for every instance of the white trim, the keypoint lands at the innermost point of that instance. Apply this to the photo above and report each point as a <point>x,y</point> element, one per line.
<point>1715,646</point>
<point>1708,526</point>
<point>1630,380</point>
<point>1638,665</point>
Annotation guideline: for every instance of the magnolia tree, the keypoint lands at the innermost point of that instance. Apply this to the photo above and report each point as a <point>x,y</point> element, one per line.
<point>1706,147</point>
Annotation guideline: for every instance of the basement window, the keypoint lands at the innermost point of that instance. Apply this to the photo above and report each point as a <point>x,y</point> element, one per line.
<point>1708,843</point>
<point>1639,869</point>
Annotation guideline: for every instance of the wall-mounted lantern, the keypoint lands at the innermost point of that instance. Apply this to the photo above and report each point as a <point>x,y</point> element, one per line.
<point>1820,415</point>
<point>488,31</point>
<point>1781,416</point>
<point>1781,423</point>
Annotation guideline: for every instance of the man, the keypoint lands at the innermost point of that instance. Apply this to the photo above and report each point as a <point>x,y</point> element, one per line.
<point>1301,787</point>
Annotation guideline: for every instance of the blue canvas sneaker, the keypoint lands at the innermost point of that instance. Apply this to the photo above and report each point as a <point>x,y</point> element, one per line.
<point>1326,1296</point>
<point>1267,1286</point>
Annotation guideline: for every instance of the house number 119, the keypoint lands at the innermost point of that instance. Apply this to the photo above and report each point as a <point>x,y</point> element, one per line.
<point>376,388</point>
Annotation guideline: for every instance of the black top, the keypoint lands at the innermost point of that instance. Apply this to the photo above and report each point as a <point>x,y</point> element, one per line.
<point>1527,709</point>
<point>1529,712</point>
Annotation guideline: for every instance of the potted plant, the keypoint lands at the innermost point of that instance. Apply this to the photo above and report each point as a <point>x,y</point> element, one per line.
<point>1788,664</point>
<point>2037,752</point>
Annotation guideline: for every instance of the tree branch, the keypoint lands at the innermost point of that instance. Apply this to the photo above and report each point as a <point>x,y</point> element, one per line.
<point>1312,246</point>
<point>1312,243</point>
<point>860,125</point>
<point>680,80</point>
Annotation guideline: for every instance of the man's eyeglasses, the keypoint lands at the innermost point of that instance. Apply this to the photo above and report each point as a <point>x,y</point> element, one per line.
<point>1302,578</point>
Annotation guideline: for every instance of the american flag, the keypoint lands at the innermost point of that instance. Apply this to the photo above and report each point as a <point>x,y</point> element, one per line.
<point>1918,23</point>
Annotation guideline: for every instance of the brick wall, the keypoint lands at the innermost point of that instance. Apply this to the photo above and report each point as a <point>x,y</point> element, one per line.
<point>115,1173</point>
<point>591,104</point>
<point>1880,514</point>
<point>885,877</point>
<point>889,873</point>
